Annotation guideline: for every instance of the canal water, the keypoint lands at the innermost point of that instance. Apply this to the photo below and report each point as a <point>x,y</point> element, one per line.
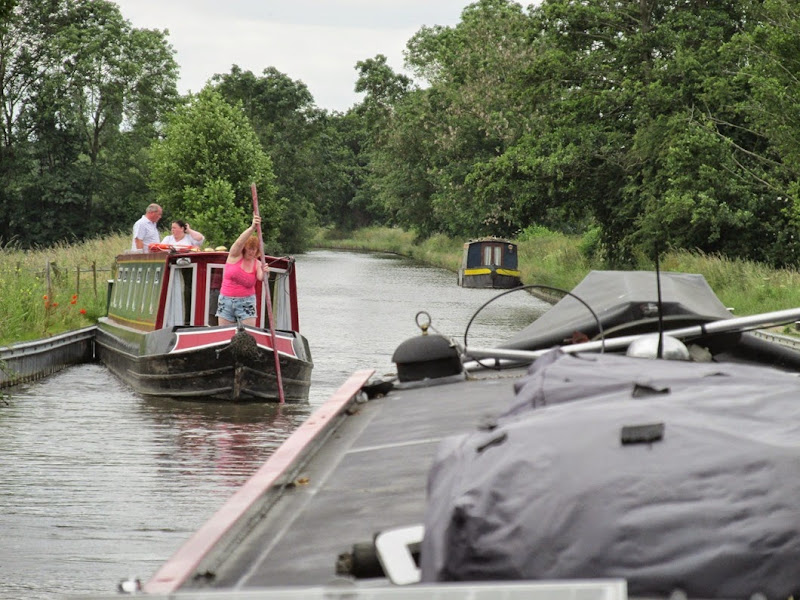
<point>100,484</point>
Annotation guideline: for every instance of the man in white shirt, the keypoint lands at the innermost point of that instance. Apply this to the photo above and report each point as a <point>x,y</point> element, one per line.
<point>145,230</point>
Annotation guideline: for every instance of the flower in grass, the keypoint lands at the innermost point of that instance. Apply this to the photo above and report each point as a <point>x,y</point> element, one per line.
<point>55,304</point>
<point>82,311</point>
<point>74,299</point>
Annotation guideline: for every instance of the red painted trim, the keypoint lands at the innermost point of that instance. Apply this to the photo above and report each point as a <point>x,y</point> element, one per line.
<point>203,338</point>
<point>180,567</point>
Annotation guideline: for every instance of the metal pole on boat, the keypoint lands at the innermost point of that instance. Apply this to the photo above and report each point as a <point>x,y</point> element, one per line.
<point>269,300</point>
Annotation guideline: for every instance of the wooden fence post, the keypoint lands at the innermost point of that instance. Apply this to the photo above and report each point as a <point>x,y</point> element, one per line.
<point>94,277</point>
<point>78,280</point>
<point>49,285</point>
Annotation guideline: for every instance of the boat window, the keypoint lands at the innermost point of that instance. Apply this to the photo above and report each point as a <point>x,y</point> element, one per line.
<point>214,285</point>
<point>138,292</point>
<point>128,278</point>
<point>492,254</point>
<point>147,291</point>
<point>154,291</point>
<point>116,291</point>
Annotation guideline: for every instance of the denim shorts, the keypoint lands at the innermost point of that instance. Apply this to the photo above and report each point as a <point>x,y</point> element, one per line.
<point>231,308</point>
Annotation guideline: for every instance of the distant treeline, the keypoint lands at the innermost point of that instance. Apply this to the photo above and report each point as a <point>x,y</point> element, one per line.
<point>644,125</point>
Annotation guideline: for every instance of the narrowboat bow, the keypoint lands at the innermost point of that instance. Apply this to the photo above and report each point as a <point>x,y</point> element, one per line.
<point>655,457</point>
<point>161,335</point>
<point>489,262</point>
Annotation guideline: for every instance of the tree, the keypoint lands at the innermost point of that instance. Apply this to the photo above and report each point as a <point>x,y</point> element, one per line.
<point>203,168</point>
<point>82,94</point>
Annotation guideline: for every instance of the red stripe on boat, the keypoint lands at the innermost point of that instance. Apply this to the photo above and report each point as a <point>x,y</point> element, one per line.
<point>185,561</point>
<point>204,338</point>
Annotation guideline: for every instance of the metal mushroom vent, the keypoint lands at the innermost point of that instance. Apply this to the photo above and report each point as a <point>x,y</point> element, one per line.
<point>426,356</point>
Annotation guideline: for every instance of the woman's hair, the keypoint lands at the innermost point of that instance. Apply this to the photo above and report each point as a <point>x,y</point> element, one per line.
<point>180,223</point>
<point>252,243</point>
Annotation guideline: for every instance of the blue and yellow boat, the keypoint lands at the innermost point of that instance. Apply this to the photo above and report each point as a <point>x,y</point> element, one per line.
<point>489,262</point>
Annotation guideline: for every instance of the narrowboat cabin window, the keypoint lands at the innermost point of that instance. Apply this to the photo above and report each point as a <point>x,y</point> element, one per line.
<point>492,254</point>
<point>128,281</point>
<point>146,289</point>
<point>138,291</point>
<point>214,284</point>
<point>154,292</point>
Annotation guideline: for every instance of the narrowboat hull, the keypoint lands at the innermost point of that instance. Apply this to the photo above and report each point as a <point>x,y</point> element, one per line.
<point>489,277</point>
<point>216,366</point>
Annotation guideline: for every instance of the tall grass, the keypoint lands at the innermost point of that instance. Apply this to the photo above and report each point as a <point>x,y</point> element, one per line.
<point>557,260</point>
<point>33,305</point>
<point>29,309</point>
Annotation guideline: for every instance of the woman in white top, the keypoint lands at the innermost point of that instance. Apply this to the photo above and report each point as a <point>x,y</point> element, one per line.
<point>183,235</point>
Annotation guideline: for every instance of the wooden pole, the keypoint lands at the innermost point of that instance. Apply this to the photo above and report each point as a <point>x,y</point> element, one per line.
<point>269,299</point>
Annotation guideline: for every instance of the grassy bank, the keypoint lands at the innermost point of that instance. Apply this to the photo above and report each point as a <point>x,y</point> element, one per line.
<point>46,292</point>
<point>553,259</point>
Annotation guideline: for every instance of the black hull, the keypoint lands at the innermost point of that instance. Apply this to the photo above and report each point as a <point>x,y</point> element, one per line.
<point>215,373</point>
<point>490,280</point>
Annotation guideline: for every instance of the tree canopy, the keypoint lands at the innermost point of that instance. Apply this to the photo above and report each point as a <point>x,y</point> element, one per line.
<point>650,124</point>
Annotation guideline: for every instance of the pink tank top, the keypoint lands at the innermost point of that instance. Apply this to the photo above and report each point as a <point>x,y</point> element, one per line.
<point>236,282</point>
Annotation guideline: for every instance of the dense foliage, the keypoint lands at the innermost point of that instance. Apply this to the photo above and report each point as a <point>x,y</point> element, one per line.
<point>648,124</point>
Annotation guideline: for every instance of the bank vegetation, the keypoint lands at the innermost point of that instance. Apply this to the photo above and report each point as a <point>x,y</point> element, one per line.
<point>47,291</point>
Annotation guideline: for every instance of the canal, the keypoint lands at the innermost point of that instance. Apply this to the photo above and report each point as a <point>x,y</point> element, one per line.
<point>100,484</point>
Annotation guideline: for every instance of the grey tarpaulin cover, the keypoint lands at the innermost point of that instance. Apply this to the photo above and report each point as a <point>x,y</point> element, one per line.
<point>672,475</point>
<point>619,297</point>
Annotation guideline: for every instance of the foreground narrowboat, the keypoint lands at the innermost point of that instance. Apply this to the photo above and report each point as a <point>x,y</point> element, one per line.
<point>489,263</point>
<point>635,441</point>
<point>161,336</point>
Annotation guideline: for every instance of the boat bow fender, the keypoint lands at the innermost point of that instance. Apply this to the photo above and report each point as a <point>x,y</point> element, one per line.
<point>427,357</point>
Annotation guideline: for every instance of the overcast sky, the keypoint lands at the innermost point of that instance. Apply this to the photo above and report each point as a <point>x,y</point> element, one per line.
<point>315,41</point>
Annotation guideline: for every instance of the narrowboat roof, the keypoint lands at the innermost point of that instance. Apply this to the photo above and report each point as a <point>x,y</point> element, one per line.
<point>490,239</point>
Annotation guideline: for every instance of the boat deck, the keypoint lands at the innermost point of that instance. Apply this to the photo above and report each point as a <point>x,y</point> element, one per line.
<point>369,475</point>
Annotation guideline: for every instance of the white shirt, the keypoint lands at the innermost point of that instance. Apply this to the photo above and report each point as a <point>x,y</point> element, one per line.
<point>147,231</point>
<point>187,240</point>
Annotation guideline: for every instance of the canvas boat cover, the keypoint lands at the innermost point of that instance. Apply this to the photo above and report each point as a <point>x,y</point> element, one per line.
<point>619,297</point>
<point>671,475</point>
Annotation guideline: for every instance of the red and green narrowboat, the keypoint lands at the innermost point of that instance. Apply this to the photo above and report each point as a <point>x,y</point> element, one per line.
<point>161,336</point>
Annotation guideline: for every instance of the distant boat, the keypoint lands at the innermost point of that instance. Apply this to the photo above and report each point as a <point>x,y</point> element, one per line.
<point>489,262</point>
<point>161,336</point>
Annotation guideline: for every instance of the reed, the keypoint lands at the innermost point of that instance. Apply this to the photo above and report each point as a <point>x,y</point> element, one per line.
<point>47,291</point>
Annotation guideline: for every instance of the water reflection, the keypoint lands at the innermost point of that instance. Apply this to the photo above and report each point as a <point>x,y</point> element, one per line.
<point>227,442</point>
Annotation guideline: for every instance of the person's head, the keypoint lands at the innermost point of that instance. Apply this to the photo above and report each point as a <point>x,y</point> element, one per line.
<point>153,212</point>
<point>178,229</point>
<point>251,247</point>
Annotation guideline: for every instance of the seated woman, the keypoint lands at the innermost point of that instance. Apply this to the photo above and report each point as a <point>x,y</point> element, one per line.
<point>183,235</point>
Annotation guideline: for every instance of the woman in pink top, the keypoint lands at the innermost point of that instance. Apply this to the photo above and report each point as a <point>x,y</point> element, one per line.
<point>237,297</point>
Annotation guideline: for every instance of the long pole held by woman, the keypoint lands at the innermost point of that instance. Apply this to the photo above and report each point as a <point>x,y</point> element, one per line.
<point>269,298</point>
